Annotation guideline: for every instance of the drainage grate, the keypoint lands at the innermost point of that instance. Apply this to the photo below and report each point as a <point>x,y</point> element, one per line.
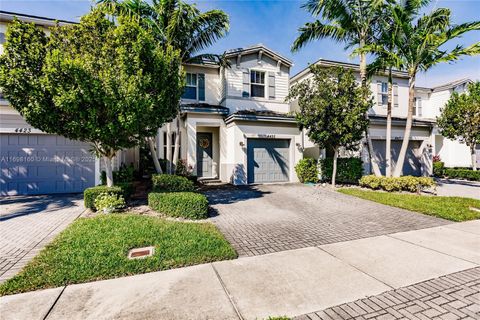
<point>141,253</point>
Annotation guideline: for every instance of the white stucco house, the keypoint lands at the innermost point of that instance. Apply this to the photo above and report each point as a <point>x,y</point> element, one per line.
<point>425,140</point>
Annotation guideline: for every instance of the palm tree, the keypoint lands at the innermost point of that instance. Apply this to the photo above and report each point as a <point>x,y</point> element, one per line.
<point>186,29</point>
<point>420,47</point>
<point>349,21</point>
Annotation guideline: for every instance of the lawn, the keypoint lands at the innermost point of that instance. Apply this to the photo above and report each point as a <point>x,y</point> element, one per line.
<point>450,208</point>
<point>96,248</point>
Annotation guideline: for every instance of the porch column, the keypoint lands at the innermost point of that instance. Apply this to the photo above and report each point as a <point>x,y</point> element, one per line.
<point>192,144</point>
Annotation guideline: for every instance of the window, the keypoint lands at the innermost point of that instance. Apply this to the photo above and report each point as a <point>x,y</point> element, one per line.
<point>257,83</point>
<point>2,38</point>
<point>190,87</point>
<point>417,107</point>
<point>382,94</point>
<point>174,134</point>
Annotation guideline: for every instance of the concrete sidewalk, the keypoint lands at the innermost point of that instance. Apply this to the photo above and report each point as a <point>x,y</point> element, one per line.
<point>289,283</point>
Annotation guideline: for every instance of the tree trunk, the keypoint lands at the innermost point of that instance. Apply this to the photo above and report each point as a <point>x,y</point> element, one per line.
<point>408,127</point>
<point>388,142</point>
<point>334,171</point>
<point>169,148</point>
<point>153,152</point>
<point>177,144</point>
<point>108,170</point>
<point>474,157</point>
<point>363,78</point>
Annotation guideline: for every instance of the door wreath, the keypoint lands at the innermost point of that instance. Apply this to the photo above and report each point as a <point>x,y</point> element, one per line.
<point>204,143</point>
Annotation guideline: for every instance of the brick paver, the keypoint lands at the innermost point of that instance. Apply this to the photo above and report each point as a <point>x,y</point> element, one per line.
<point>27,224</point>
<point>455,296</point>
<point>271,218</point>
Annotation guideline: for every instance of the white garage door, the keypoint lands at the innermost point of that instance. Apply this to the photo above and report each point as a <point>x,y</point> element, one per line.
<point>44,164</point>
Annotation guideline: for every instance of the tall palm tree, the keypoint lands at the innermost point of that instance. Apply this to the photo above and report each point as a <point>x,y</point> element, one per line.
<point>348,21</point>
<point>420,47</point>
<point>185,28</point>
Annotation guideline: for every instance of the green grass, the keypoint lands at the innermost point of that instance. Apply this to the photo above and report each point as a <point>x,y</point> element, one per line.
<point>450,208</point>
<point>96,248</point>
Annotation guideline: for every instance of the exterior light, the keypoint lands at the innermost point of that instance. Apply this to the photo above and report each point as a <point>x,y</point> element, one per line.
<point>242,144</point>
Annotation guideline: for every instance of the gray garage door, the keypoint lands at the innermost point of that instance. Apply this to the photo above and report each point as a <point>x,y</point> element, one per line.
<point>43,164</point>
<point>412,165</point>
<point>268,160</point>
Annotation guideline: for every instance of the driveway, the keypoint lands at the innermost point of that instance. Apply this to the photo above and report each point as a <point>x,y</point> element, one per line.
<point>458,188</point>
<point>27,224</point>
<point>271,218</point>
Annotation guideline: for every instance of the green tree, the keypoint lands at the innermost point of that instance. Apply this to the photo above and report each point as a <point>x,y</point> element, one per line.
<point>352,22</point>
<point>109,84</point>
<point>184,27</point>
<point>420,47</point>
<point>460,118</point>
<point>332,108</point>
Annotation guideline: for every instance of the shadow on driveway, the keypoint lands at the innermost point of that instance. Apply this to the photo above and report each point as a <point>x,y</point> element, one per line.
<point>18,206</point>
<point>228,194</point>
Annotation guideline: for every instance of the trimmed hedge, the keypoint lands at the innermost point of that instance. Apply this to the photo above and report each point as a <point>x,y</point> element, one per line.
<point>90,194</point>
<point>189,205</point>
<point>405,183</point>
<point>438,168</point>
<point>466,174</point>
<point>349,170</point>
<point>171,183</point>
<point>307,170</point>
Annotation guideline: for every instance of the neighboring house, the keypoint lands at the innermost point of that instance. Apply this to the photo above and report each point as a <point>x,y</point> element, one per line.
<point>33,162</point>
<point>425,140</point>
<point>234,121</point>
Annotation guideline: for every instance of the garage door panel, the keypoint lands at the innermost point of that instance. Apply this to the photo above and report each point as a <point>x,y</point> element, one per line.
<point>42,166</point>
<point>268,160</point>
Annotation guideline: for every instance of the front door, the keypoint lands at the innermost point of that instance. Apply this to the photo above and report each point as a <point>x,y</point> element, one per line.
<point>204,155</point>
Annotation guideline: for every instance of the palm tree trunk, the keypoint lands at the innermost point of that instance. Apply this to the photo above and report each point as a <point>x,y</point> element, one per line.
<point>408,127</point>
<point>169,148</point>
<point>363,78</point>
<point>474,156</point>
<point>388,142</point>
<point>153,152</point>
<point>177,144</point>
<point>334,171</point>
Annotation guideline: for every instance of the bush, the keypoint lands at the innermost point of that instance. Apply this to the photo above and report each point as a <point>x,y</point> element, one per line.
<point>183,169</point>
<point>405,183</point>
<point>307,170</point>
<point>127,187</point>
<point>109,202</point>
<point>349,170</point>
<point>171,183</point>
<point>189,205</point>
<point>438,168</point>
<point>465,174</point>
<point>124,174</point>
<point>90,194</point>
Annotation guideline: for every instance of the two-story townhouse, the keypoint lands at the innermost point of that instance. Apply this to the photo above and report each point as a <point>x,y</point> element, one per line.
<point>234,122</point>
<point>425,140</point>
<point>34,162</point>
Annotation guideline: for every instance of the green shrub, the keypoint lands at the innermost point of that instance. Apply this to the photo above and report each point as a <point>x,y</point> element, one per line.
<point>189,205</point>
<point>90,194</point>
<point>438,168</point>
<point>171,183</point>
<point>465,174</point>
<point>127,187</point>
<point>124,174</point>
<point>307,170</point>
<point>109,202</point>
<point>390,184</point>
<point>349,170</point>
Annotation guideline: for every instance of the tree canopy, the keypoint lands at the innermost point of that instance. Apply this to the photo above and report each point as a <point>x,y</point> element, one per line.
<point>460,118</point>
<point>110,84</point>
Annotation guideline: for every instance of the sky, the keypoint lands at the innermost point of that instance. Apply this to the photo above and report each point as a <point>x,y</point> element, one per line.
<point>275,23</point>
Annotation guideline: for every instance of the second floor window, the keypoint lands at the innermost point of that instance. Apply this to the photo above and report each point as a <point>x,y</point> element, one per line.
<point>174,134</point>
<point>417,107</point>
<point>257,83</point>
<point>194,87</point>
<point>382,99</point>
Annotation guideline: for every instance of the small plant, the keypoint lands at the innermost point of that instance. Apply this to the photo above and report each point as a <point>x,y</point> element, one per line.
<point>109,202</point>
<point>307,170</point>
<point>124,174</point>
<point>90,194</point>
<point>187,205</point>
<point>438,168</point>
<point>183,169</point>
<point>171,183</point>
<point>390,184</point>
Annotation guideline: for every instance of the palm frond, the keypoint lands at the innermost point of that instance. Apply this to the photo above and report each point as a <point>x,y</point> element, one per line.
<point>317,30</point>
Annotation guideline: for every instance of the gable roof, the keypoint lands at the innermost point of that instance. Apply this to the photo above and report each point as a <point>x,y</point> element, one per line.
<point>451,85</point>
<point>256,48</point>
<point>9,16</point>
<point>333,63</point>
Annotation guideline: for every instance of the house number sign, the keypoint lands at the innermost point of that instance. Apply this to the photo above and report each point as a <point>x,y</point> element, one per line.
<point>266,135</point>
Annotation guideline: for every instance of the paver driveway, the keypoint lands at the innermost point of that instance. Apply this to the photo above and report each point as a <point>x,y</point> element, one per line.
<point>271,218</point>
<point>27,224</point>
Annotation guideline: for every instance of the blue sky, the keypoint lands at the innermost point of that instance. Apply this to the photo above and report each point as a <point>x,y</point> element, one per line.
<point>275,24</point>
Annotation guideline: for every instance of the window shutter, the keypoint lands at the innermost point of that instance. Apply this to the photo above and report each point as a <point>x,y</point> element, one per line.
<point>271,85</point>
<point>395,95</point>
<point>246,84</point>
<point>419,107</point>
<point>379,93</point>
<point>201,86</point>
